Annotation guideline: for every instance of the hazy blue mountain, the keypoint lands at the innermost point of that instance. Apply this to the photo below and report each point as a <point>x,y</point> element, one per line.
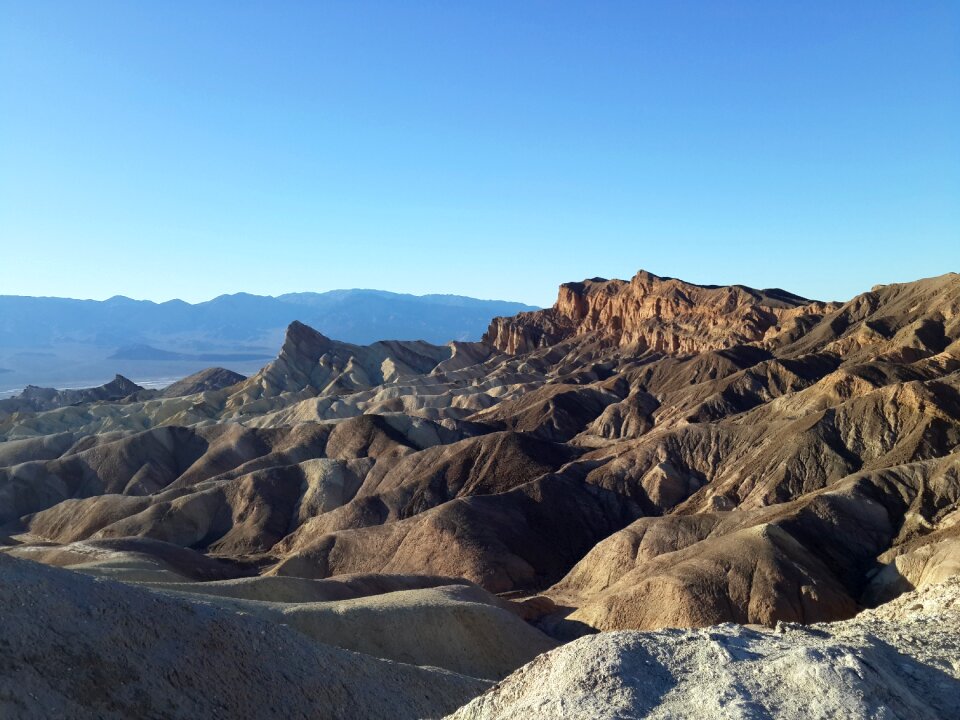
<point>360,316</point>
<point>53,341</point>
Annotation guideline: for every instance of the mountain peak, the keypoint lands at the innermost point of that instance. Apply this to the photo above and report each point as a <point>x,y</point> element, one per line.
<point>119,387</point>
<point>302,340</point>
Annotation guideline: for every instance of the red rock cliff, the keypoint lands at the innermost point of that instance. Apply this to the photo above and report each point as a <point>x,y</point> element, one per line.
<point>651,312</point>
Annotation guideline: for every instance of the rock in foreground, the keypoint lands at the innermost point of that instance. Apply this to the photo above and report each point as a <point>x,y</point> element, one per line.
<point>900,661</point>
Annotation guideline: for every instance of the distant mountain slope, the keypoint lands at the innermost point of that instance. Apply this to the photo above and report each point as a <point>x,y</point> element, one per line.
<point>81,343</point>
<point>214,378</point>
<point>358,316</point>
<point>38,399</point>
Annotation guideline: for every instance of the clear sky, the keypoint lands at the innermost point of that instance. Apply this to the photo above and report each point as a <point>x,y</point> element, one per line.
<point>188,149</point>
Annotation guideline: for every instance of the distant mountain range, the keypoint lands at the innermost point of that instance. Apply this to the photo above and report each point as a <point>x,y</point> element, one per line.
<point>58,341</point>
<point>358,316</point>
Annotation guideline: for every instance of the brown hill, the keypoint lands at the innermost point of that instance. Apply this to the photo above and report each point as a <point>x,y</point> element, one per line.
<point>647,453</point>
<point>210,379</point>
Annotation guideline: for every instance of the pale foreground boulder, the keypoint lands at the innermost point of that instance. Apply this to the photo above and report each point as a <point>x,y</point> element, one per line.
<point>72,646</point>
<point>901,661</point>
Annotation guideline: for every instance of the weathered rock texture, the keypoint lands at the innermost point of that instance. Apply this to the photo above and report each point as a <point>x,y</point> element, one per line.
<point>76,647</point>
<point>651,312</point>
<point>900,662</point>
<point>645,454</point>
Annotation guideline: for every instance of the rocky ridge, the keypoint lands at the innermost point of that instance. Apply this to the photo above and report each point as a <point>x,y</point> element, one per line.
<point>645,455</point>
<point>38,399</point>
<point>653,313</point>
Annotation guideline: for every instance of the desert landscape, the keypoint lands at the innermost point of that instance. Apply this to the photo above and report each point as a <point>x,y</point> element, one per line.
<point>479,361</point>
<point>654,499</point>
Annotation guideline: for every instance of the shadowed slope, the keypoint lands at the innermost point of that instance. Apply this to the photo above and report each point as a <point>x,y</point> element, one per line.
<point>82,648</point>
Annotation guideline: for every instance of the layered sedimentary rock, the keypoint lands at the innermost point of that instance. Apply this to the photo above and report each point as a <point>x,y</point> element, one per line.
<point>651,312</point>
<point>645,454</point>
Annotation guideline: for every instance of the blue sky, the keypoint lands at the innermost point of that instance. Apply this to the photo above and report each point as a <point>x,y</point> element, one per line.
<point>189,149</point>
